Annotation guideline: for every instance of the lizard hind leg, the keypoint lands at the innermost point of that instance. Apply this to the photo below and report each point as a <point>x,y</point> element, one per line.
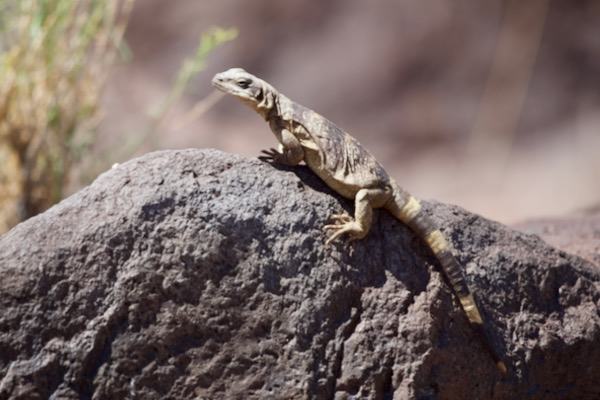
<point>359,226</point>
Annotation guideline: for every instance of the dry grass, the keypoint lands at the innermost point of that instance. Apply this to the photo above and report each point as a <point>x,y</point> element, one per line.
<point>54,62</point>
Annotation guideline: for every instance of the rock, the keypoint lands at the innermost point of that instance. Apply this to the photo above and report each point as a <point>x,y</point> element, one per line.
<point>197,274</point>
<point>577,234</point>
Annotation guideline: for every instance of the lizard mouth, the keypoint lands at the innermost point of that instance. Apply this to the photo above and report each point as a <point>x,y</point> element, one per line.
<point>217,81</point>
<point>227,86</point>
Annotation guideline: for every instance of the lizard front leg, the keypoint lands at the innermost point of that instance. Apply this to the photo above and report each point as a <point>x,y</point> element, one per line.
<point>290,151</point>
<point>357,227</point>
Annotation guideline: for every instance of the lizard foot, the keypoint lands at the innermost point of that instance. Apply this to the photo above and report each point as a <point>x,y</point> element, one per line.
<point>269,155</point>
<point>344,224</point>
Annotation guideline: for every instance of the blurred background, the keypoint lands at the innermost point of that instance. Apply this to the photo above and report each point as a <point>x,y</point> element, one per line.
<point>494,106</point>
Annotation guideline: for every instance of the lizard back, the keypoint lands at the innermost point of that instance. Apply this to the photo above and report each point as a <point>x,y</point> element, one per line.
<point>343,162</point>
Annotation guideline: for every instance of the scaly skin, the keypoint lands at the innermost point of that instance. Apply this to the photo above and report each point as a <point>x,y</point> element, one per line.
<point>349,169</point>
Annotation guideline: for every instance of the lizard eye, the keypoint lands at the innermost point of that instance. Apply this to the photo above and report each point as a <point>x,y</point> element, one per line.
<point>243,83</point>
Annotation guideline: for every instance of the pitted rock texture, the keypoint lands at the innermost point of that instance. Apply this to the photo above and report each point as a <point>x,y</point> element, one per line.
<point>198,274</point>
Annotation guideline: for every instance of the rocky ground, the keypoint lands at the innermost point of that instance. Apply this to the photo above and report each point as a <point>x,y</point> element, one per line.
<point>200,274</point>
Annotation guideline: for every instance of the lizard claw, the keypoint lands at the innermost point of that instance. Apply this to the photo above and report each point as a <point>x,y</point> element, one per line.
<point>269,155</point>
<point>343,224</point>
<point>341,219</point>
<point>332,237</point>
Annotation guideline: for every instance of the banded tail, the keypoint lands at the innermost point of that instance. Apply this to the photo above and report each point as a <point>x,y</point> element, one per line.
<point>427,229</point>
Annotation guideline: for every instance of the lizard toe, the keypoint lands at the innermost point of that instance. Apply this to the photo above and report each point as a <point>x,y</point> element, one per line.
<point>333,227</point>
<point>333,236</point>
<point>268,155</point>
<point>342,218</point>
<point>352,228</point>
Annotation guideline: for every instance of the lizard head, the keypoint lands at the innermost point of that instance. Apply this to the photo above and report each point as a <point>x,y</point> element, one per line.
<point>250,90</point>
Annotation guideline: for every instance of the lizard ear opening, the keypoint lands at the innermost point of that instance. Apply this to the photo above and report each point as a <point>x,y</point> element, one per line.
<point>266,98</point>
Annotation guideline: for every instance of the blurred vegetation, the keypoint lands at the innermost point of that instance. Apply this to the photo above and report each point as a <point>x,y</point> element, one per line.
<point>54,59</point>
<point>191,66</point>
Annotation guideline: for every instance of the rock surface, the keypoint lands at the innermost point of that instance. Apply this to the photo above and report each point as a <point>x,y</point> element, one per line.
<point>197,274</point>
<point>577,234</point>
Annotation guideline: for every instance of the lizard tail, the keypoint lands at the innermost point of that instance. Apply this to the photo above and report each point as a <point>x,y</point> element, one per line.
<point>410,214</point>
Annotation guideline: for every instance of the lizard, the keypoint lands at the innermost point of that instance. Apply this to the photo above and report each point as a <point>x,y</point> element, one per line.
<point>350,170</point>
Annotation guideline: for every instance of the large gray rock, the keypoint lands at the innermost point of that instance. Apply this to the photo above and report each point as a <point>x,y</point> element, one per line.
<point>201,275</point>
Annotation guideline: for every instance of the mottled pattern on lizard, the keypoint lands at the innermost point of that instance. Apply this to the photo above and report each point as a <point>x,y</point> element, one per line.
<point>349,169</point>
